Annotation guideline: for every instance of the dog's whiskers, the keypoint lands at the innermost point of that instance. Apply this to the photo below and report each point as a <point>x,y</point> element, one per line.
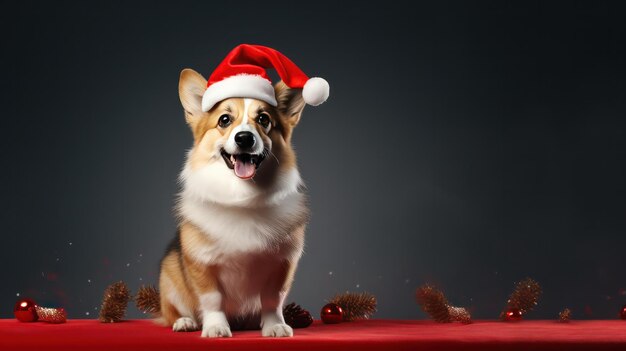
<point>267,152</point>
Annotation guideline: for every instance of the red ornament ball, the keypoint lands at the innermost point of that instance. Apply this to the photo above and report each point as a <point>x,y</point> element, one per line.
<point>331,313</point>
<point>622,312</point>
<point>25,310</point>
<point>513,315</point>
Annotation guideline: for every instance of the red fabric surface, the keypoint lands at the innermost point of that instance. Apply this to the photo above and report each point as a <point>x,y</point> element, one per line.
<point>361,335</point>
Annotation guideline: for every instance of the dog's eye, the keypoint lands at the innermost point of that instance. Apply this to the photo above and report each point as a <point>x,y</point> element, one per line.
<point>224,121</point>
<point>263,120</point>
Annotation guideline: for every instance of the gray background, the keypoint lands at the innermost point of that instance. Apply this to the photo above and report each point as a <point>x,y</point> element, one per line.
<point>467,144</point>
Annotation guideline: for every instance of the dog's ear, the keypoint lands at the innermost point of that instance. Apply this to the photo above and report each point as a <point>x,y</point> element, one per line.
<point>290,103</point>
<point>191,87</point>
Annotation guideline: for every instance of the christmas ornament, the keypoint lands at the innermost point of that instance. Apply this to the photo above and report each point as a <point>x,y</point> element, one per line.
<point>331,313</point>
<point>622,312</point>
<point>296,316</point>
<point>512,315</point>
<point>565,315</point>
<point>114,302</point>
<point>25,310</point>
<point>435,304</point>
<point>51,315</point>
<point>355,305</point>
<point>242,74</point>
<point>524,297</point>
<point>148,299</point>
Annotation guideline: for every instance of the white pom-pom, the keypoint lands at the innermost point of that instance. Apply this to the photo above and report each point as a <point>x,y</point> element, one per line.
<point>315,91</point>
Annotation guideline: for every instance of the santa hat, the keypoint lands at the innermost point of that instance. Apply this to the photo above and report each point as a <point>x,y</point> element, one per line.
<point>242,74</point>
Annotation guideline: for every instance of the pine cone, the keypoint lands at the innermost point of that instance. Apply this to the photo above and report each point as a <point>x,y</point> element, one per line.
<point>355,305</point>
<point>434,303</point>
<point>114,302</point>
<point>524,297</point>
<point>148,299</point>
<point>296,316</point>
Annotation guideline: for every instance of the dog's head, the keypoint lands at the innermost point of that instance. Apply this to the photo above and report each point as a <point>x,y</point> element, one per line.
<point>242,147</point>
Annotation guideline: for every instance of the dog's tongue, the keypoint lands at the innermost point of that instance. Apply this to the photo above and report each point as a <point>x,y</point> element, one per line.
<point>244,169</point>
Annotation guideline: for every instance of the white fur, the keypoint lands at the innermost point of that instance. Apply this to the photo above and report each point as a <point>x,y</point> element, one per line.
<point>246,107</point>
<point>287,184</point>
<point>216,183</point>
<point>210,302</point>
<point>184,324</point>
<point>272,320</point>
<point>242,230</point>
<point>214,323</point>
<point>279,330</point>
<point>238,86</point>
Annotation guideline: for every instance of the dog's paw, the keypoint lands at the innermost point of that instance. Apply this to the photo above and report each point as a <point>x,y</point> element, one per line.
<point>277,331</point>
<point>216,331</point>
<point>185,324</point>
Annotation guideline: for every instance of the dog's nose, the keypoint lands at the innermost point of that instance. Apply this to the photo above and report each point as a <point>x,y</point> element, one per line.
<point>245,140</point>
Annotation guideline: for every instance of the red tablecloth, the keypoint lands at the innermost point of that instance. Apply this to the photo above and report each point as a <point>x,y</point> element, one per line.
<point>362,335</point>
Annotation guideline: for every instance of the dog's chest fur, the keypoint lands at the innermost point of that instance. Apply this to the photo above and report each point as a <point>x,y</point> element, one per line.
<point>247,245</point>
<point>237,231</point>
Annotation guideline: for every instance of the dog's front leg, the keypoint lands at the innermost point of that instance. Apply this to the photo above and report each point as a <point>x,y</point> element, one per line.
<point>214,322</point>
<point>272,298</point>
<point>204,281</point>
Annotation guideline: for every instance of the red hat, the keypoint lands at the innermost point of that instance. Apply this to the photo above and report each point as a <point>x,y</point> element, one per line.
<point>242,74</point>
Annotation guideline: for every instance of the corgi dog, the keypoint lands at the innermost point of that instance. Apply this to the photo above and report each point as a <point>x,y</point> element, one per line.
<point>242,215</point>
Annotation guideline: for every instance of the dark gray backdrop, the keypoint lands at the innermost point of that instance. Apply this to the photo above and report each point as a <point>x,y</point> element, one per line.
<point>468,144</point>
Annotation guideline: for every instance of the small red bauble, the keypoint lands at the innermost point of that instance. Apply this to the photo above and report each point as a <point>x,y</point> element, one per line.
<point>331,314</point>
<point>622,312</point>
<point>513,315</point>
<point>25,310</point>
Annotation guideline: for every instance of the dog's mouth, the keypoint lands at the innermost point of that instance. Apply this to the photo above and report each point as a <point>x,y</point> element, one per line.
<point>244,165</point>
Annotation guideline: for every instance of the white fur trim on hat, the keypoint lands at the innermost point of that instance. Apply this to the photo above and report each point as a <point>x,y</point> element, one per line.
<point>239,86</point>
<point>315,91</point>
